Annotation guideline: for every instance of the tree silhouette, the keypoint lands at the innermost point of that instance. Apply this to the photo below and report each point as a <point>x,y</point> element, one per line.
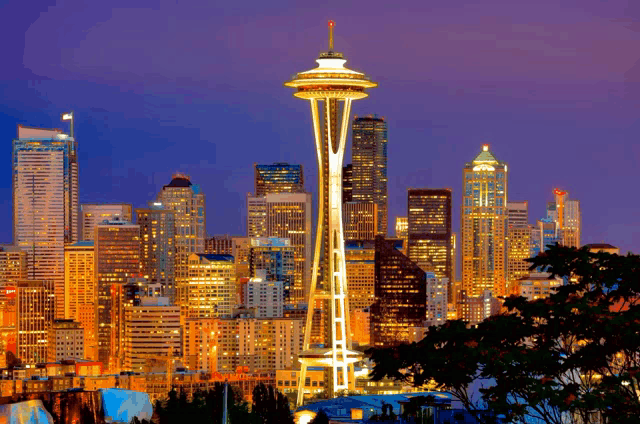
<point>571,357</point>
<point>320,418</point>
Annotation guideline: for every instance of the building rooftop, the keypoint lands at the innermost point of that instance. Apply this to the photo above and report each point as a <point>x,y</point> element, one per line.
<point>216,257</point>
<point>180,180</point>
<point>83,243</point>
<point>600,246</point>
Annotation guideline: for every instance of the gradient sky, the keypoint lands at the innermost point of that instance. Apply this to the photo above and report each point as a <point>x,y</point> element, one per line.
<point>196,86</point>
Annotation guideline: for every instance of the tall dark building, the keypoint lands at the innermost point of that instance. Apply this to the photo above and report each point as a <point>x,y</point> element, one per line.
<point>400,295</point>
<point>347,183</point>
<point>278,178</point>
<point>429,230</point>
<point>369,160</point>
<point>158,245</point>
<point>219,245</point>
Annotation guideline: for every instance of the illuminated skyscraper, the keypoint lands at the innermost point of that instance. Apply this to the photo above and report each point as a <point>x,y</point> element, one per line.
<point>484,225</point>
<point>369,160</point>
<point>400,295</point>
<point>566,214</point>
<point>429,230</point>
<point>80,286</point>
<point>219,245</point>
<point>361,276</point>
<point>335,87</point>
<point>289,216</point>
<point>256,216</point>
<point>188,203</point>
<point>347,183</point>
<point>437,296</point>
<point>94,213</point>
<point>402,232</point>
<point>278,178</point>
<point>34,315</point>
<point>45,203</point>
<point>117,258</point>
<point>158,246</point>
<point>275,259</point>
<point>519,234</point>
<point>360,220</point>
<point>13,268</point>
<point>211,286</point>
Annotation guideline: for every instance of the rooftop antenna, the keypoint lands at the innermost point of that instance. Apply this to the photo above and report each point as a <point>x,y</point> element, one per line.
<point>331,25</point>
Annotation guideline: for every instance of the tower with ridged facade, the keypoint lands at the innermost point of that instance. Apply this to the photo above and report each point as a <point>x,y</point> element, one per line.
<point>330,89</point>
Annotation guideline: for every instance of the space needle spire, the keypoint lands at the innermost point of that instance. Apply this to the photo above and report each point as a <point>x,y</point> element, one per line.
<point>330,89</point>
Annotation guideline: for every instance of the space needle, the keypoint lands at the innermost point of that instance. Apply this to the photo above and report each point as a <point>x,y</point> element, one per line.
<point>330,89</point>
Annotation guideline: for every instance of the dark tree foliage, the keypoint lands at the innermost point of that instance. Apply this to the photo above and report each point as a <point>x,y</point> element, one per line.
<point>320,418</point>
<point>207,407</point>
<point>271,406</point>
<point>572,357</point>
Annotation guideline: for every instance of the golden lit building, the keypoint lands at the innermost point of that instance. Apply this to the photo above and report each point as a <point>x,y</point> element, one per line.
<point>158,246</point>
<point>240,253</point>
<point>66,340</point>
<point>603,247</point>
<point>289,216</point>
<point>200,344</point>
<point>475,309</point>
<point>360,220</point>
<point>80,288</point>
<point>484,225</point>
<point>188,203</point>
<point>361,326</point>
<point>219,245</point>
<point>567,216</point>
<point>519,239</point>
<point>537,285</point>
<point>34,315</point>
<point>361,270</point>
<point>94,213</point>
<point>256,216</point>
<point>211,286</point>
<point>150,330</point>
<point>117,259</point>
<point>429,230</point>
<point>402,231</point>
<point>45,203</point>
<point>13,268</point>
<point>279,177</point>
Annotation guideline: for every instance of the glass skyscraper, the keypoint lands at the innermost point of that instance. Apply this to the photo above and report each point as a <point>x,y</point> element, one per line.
<point>369,161</point>
<point>278,178</point>
<point>45,203</point>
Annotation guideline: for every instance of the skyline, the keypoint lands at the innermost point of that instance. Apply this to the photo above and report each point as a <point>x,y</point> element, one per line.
<point>455,124</point>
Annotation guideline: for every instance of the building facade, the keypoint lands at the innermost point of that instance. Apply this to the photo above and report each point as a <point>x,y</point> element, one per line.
<point>45,203</point>
<point>402,232</point>
<point>347,183</point>
<point>519,235</point>
<point>219,245</point>
<point>400,295</point>
<point>211,286</point>
<point>265,298</point>
<point>429,230</point>
<point>484,225</point>
<point>278,178</point>
<point>158,246</point>
<point>117,259</point>
<point>369,160</point>
<point>94,213</point>
<point>275,257</point>
<point>437,299</point>
<point>360,220</point>
<point>66,340</point>
<point>188,203</point>
<point>34,315</point>
<point>81,295</point>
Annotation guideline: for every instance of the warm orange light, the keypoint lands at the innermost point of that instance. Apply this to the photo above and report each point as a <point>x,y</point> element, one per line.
<point>331,23</point>
<point>559,192</point>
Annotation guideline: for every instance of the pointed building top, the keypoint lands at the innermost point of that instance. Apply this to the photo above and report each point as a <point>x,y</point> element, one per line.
<point>485,156</point>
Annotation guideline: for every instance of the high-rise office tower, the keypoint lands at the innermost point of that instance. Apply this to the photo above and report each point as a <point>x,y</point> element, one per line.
<point>402,232</point>
<point>429,231</point>
<point>400,295</point>
<point>566,214</point>
<point>158,246</point>
<point>240,253</point>
<point>45,203</point>
<point>289,216</point>
<point>188,202</point>
<point>484,225</point>
<point>94,213</point>
<point>437,299</point>
<point>256,216</point>
<point>328,282</point>
<point>151,329</point>
<point>66,340</point>
<point>360,267</point>
<point>219,245</point>
<point>519,235</point>
<point>454,265</point>
<point>13,268</point>
<point>278,178</point>
<point>347,183</point>
<point>117,258</point>
<point>264,297</point>
<point>34,315</point>
<point>360,220</point>
<point>275,257</point>
<point>211,286</point>
<point>369,160</point>
<point>80,300</point>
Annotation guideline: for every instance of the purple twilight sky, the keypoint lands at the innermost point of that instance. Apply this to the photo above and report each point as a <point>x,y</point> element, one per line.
<point>196,86</point>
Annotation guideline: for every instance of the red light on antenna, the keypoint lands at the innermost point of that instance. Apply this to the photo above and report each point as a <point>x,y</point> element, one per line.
<point>331,23</point>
